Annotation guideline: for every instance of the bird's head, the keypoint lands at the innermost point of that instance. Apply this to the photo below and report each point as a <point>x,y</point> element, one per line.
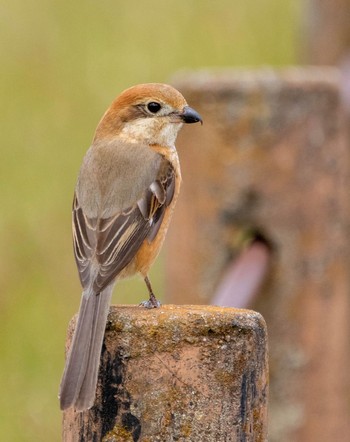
<point>147,113</point>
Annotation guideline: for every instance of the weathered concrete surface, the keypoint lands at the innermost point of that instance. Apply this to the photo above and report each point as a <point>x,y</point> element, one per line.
<point>272,158</point>
<point>188,373</point>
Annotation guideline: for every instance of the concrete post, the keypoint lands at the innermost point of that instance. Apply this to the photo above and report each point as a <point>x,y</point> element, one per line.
<point>326,31</point>
<point>187,373</point>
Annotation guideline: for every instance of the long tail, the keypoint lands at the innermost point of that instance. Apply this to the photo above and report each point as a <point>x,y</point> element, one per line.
<point>78,384</point>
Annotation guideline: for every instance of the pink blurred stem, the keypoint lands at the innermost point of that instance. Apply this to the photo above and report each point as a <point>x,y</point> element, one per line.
<point>244,276</point>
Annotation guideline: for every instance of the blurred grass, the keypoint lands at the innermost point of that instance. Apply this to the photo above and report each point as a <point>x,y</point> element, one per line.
<point>62,64</point>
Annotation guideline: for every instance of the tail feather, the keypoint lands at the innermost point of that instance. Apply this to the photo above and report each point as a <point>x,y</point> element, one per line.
<point>78,385</point>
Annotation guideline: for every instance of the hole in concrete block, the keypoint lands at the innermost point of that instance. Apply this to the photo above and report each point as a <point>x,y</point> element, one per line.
<point>245,275</point>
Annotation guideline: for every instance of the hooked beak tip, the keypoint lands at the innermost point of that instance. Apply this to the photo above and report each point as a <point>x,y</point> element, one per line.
<point>190,116</point>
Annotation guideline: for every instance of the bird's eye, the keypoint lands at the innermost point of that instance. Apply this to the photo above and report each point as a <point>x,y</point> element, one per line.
<point>153,107</point>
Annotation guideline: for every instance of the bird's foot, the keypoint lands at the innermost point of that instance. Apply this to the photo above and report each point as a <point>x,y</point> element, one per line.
<point>151,303</point>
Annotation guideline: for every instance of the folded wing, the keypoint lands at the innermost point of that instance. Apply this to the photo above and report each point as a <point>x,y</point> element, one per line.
<point>103,247</point>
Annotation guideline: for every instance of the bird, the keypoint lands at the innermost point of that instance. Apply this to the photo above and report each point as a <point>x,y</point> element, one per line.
<point>124,198</point>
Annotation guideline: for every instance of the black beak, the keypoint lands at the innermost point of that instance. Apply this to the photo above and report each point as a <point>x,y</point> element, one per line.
<point>190,116</point>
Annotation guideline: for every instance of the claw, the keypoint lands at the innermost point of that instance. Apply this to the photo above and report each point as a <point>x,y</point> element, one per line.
<point>150,303</point>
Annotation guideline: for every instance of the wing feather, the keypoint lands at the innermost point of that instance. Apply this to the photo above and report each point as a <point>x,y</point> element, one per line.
<point>103,247</point>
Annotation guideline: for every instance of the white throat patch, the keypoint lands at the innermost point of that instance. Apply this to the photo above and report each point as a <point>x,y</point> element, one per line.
<point>151,131</point>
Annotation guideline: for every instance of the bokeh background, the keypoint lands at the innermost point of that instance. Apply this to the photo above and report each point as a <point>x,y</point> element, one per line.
<point>62,63</point>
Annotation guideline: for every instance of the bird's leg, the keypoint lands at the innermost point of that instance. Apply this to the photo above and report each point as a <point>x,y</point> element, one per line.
<point>152,302</point>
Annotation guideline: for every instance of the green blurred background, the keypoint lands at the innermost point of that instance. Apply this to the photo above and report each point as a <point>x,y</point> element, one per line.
<point>63,62</point>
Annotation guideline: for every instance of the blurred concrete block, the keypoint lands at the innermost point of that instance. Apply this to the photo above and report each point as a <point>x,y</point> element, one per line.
<point>326,31</point>
<point>271,161</point>
<point>187,373</point>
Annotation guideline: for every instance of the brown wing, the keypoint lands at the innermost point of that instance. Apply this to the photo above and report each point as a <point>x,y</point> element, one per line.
<point>104,246</point>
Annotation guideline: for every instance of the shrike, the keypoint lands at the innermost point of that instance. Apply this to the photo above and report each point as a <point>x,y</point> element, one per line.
<point>127,188</point>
